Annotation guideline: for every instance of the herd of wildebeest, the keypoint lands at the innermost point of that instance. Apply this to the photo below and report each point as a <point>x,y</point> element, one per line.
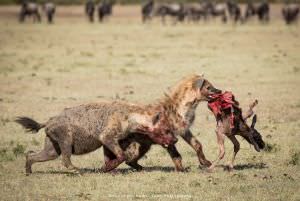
<point>179,12</point>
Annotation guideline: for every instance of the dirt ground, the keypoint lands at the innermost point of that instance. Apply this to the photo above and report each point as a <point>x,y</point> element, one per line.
<point>45,68</point>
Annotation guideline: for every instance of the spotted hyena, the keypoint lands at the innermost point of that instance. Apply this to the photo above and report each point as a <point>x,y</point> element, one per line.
<point>179,107</point>
<point>85,128</point>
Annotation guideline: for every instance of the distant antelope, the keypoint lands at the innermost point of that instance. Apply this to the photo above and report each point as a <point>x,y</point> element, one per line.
<point>29,9</point>
<point>290,13</point>
<point>49,8</point>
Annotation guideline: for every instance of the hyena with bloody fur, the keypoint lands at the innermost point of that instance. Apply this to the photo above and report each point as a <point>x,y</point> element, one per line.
<point>179,107</point>
<point>85,128</point>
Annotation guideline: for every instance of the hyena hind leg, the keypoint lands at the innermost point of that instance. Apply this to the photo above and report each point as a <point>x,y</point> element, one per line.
<point>51,151</point>
<point>63,134</point>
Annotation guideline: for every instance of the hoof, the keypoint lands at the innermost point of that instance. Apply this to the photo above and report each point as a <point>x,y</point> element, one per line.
<point>210,169</point>
<point>104,169</point>
<point>28,164</point>
<point>28,169</point>
<point>74,170</point>
<point>206,163</point>
<point>228,168</point>
<point>139,169</point>
<point>180,170</point>
<point>28,172</point>
<point>187,169</point>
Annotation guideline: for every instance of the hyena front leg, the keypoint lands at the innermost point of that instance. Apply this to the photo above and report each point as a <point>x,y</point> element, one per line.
<point>197,146</point>
<point>110,157</point>
<point>117,151</point>
<point>110,139</point>
<point>176,157</point>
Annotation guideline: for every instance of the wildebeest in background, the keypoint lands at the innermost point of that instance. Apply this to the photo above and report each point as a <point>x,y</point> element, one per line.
<point>262,10</point>
<point>29,9</point>
<point>234,11</point>
<point>290,13</point>
<point>105,9</point>
<point>174,10</point>
<point>90,9</point>
<point>147,9</point>
<point>194,12</point>
<point>49,9</point>
<point>215,10</point>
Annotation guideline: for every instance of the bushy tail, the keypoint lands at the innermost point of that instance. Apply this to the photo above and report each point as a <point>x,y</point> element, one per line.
<point>29,124</point>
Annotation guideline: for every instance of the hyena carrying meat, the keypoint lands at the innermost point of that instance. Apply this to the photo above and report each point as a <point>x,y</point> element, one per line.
<point>179,107</point>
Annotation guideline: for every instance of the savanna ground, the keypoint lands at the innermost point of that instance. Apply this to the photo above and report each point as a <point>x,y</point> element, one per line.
<point>44,69</point>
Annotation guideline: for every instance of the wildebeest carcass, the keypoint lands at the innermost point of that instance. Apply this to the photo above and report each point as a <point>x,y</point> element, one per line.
<point>174,10</point>
<point>29,9</point>
<point>90,9</point>
<point>147,9</point>
<point>215,10</point>
<point>234,11</point>
<point>231,122</point>
<point>49,9</point>
<point>105,9</point>
<point>290,13</point>
<point>262,10</point>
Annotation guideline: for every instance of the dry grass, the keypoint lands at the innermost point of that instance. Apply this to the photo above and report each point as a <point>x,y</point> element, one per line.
<point>44,69</point>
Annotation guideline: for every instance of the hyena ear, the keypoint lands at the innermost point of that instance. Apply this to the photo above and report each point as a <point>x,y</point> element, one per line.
<point>156,118</point>
<point>198,84</point>
<point>254,119</point>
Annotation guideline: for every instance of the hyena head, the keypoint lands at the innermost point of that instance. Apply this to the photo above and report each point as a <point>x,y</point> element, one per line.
<point>187,94</point>
<point>205,90</point>
<point>193,89</point>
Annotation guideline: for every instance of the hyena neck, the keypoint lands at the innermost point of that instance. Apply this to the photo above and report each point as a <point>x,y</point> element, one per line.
<point>180,110</point>
<point>187,109</point>
<point>183,100</point>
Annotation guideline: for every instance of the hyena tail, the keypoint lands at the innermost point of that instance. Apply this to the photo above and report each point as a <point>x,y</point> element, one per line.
<point>29,124</point>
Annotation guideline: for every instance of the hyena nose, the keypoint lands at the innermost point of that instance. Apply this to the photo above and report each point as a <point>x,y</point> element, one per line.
<point>216,91</point>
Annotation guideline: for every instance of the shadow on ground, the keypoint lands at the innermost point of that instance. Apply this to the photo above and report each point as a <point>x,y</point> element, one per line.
<point>147,169</point>
<point>247,166</point>
<point>116,171</point>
